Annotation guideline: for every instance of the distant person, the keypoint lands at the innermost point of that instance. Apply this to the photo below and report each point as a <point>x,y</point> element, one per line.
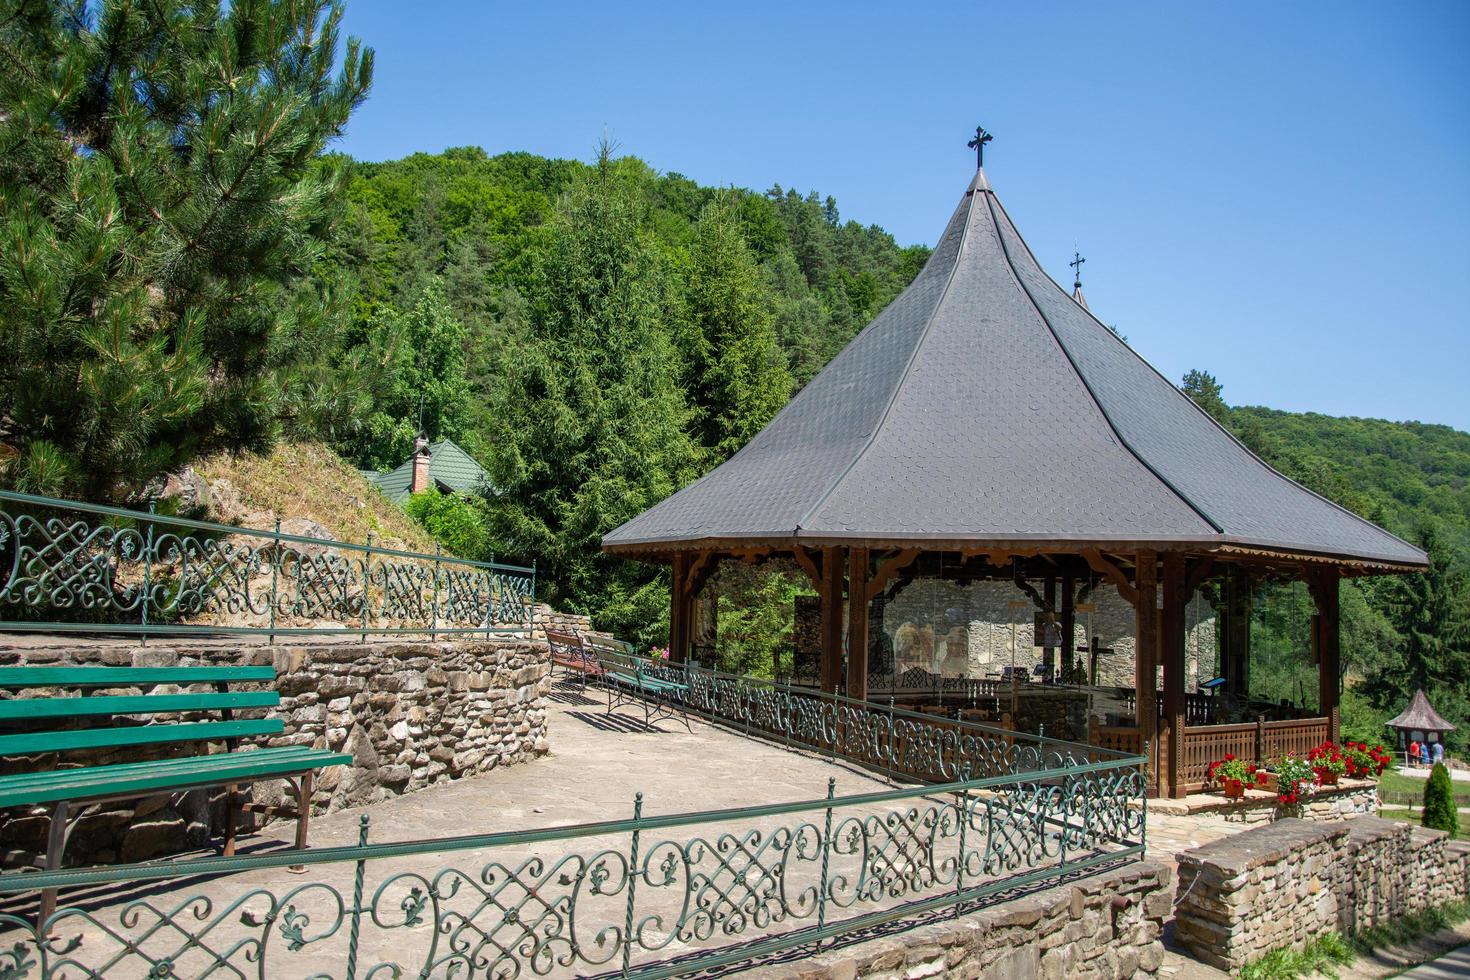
<point>1413,755</point>
<point>1438,753</point>
<point>1424,753</point>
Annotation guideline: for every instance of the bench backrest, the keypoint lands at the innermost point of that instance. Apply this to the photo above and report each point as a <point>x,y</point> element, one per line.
<point>563,643</point>
<point>121,709</point>
<point>601,643</point>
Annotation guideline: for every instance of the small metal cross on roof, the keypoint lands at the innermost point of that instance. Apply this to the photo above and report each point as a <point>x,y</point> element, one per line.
<point>1076,263</point>
<point>978,145</point>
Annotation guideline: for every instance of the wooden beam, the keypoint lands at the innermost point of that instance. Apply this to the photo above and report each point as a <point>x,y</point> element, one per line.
<point>831,592</point>
<point>679,610</point>
<point>1115,575</point>
<point>887,569</point>
<point>1145,675</point>
<point>1069,623</point>
<point>857,623</point>
<point>1325,591</point>
<point>1171,651</point>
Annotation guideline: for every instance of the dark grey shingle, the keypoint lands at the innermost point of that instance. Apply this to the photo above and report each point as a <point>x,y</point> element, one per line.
<point>984,404</point>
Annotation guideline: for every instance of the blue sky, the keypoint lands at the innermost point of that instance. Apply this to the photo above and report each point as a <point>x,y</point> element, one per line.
<point>1278,193</point>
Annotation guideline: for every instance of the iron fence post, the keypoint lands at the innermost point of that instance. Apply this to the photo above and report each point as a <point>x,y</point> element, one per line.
<point>357,882</point>
<point>275,569</point>
<point>434,602</point>
<point>959,874</point>
<point>147,573</point>
<point>367,563</point>
<point>826,850</point>
<point>632,884</point>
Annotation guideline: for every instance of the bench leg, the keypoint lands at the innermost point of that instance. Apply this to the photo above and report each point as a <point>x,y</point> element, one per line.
<point>303,809</point>
<point>55,845</point>
<point>302,788</point>
<point>232,810</point>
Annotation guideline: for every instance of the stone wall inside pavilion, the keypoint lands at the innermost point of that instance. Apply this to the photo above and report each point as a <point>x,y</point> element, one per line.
<point>977,629</point>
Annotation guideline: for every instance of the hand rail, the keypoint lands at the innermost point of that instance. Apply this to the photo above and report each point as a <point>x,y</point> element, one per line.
<point>95,568</point>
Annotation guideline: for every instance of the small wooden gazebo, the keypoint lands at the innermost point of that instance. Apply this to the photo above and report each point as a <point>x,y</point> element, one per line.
<point>986,421</point>
<point>1420,722</point>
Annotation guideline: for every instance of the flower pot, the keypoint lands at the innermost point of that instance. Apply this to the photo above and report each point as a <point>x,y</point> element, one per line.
<point>1327,778</point>
<point>1234,789</point>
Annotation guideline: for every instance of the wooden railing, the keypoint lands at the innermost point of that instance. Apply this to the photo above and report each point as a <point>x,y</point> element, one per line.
<point>1260,741</point>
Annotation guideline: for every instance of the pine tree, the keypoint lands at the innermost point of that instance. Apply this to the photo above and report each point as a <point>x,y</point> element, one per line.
<point>162,195</point>
<point>1439,802</point>
<point>590,424</point>
<point>1206,390</point>
<point>740,377</point>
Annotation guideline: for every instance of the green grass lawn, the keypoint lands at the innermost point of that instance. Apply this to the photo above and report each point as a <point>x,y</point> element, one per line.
<point>1396,788</point>
<point>1414,817</point>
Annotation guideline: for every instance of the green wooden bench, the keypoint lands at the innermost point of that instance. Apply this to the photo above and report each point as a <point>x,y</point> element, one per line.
<point>71,791</point>
<point>631,679</point>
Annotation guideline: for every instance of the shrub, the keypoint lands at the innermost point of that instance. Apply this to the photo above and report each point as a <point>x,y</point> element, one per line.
<point>455,520</point>
<point>1439,802</point>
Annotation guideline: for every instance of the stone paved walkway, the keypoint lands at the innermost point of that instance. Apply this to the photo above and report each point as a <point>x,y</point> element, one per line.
<point>598,762</point>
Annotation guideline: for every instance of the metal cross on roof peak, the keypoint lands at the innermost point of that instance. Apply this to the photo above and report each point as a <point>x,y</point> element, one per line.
<point>1076,264</point>
<point>978,145</point>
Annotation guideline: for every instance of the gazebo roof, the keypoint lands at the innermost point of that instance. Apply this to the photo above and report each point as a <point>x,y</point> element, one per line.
<point>1421,716</point>
<point>985,407</point>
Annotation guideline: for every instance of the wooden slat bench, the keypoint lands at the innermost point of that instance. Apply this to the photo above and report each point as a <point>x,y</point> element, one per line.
<point>71,791</point>
<point>631,679</point>
<point>568,653</point>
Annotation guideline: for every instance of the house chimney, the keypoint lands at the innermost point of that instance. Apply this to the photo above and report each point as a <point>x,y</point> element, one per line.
<point>419,481</point>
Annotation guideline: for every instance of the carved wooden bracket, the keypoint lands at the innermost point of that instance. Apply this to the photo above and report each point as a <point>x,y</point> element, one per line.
<point>1101,564</point>
<point>886,570</point>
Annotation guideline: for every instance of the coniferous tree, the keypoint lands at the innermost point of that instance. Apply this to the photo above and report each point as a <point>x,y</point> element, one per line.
<point>163,194</point>
<point>739,371</point>
<point>1440,812</point>
<point>591,424</point>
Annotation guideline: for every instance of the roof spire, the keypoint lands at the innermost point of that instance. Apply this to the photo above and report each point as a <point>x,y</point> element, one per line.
<point>1076,264</point>
<point>978,145</point>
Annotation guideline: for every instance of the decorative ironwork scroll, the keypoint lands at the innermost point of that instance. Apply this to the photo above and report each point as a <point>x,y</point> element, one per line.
<point>68,566</point>
<point>647,897</point>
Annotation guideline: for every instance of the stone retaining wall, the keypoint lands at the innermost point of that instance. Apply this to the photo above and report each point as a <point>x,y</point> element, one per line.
<point>546,618</point>
<point>1283,884</point>
<point>410,713</point>
<point>1107,926</point>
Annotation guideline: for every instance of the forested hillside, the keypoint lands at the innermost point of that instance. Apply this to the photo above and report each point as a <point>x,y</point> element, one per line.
<point>598,335</point>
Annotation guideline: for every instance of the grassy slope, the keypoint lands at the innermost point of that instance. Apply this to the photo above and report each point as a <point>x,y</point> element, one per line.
<point>309,480</point>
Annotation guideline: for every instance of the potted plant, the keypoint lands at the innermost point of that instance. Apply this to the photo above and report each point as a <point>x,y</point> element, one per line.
<point>1328,763</point>
<point>1234,775</point>
<point>1364,762</point>
<point>1296,780</point>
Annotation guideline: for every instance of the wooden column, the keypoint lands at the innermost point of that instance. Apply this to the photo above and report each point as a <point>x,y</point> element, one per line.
<point>857,623</point>
<point>1324,587</point>
<point>1145,675</point>
<point>679,610</point>
<point>1235,641</point>
<point>831,593</point>
<point>1171,652</point>
<point>1069,621</point>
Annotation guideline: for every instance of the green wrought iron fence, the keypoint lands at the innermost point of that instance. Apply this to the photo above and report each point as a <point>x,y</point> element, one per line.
<point>883,738</point>
<point>78,567</point>
<point>651,896</point>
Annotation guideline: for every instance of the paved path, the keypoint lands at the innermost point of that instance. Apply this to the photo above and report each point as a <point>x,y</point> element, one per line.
<point>1454,965</point>
<point>723,876</point>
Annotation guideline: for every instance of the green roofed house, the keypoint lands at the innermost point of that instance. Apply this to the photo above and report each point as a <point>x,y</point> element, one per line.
<point>441,464</point>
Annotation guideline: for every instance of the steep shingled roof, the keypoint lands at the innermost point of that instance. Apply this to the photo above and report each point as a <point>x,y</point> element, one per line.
<point>1420,716</point>
<point>984,405</point>
<point>449,467</point>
